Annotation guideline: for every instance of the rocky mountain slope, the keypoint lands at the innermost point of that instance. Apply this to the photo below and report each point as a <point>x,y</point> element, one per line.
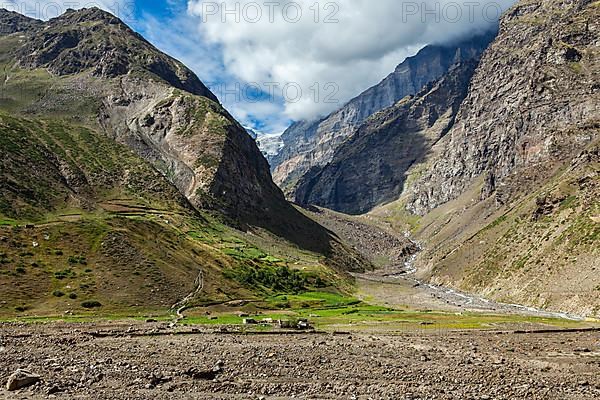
<point>12,22</point>
<point>542,109</point>
<point>133,178</point>
<point>370,168</point>
<point>97,42</point>
<point>507,202</point>
<point>313,144</point>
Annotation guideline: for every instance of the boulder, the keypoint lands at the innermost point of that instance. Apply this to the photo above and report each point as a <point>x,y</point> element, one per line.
<point>20,379</point>
<point>207,374</point>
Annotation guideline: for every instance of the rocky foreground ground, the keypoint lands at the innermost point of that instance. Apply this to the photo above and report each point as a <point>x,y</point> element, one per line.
<point>75,362</point>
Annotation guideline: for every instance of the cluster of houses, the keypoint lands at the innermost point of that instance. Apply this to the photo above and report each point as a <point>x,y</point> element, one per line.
<point>299,324</point>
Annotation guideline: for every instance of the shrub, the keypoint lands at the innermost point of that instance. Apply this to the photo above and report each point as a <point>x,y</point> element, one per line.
<point>57,293</point>
<point>91,304</point>
<point>67,273</point>
<point>72,296</point>
<point>282,305</point>
<point>20,270</point>
<point>281,279</point>
<point>77,260</point>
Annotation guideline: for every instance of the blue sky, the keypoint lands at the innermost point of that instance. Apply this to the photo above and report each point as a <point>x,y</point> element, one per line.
<point>297,59</point>
<point>167,24</point>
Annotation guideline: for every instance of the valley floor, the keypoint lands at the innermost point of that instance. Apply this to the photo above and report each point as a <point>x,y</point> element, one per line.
<point>395,283</point>
<point>403,290</point>
<point>122,361</point>
<point>404,340</point>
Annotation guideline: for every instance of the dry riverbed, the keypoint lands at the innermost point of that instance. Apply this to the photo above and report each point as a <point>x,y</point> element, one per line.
<point>121,361</point>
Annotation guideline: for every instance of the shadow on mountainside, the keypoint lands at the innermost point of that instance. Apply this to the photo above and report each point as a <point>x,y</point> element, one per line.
<point>256,201</point>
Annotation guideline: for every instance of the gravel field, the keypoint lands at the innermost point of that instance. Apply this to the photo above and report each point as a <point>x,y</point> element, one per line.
<point>126,362</point>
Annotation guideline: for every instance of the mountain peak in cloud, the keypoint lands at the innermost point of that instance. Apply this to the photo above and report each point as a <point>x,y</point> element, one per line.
<point>331,53</point>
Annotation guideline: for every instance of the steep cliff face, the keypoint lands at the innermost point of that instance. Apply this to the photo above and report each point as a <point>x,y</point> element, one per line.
<point>291,161</point>
<point>313,144</point>
<point>197,144</point>
<point>370,168</point>
<point>532,102</point>
<point>509,197</point>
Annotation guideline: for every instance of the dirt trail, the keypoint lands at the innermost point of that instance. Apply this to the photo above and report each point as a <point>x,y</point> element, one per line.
<point>183,305</point>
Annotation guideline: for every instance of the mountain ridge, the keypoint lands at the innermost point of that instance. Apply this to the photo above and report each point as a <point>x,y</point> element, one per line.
<point>506,205</point>
<point>85,39</point>
<point>550,57</point>
<point>369,169</point>
<point>135,95</point>
<point>312,144</point>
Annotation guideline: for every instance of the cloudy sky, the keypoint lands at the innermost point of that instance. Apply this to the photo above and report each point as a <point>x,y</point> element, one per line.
<point>274,61</point>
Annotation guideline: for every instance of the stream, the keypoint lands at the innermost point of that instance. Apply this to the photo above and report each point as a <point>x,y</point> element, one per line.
<point>406,274</point>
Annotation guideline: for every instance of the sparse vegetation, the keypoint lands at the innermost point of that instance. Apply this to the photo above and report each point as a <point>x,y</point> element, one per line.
<point>569,202</point>
<point>64,274</point>
<point>576,67</point>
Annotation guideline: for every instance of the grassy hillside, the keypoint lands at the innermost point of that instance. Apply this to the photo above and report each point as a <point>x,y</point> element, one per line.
<point>125,186</point>
<point>134,262</point>
<point>53,166</point>
<point>86,226</point>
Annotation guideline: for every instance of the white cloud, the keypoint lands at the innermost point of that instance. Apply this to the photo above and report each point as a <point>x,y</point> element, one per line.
<point>267,43</point>
<point>46,9</point>
<point>180,37</point>
<point>329,62</point>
